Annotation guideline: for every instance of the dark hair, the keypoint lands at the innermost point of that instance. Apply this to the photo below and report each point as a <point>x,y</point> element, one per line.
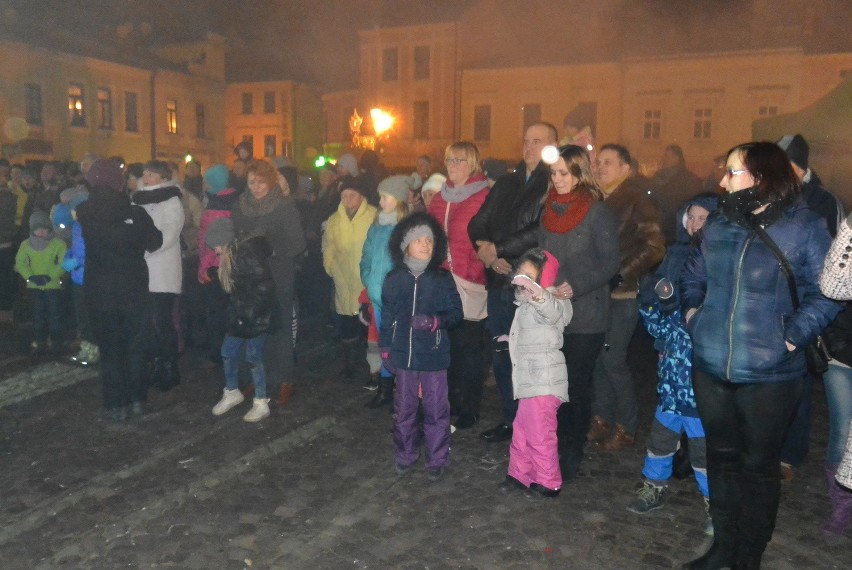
<point>425,157</point>
<point>579,165</point>
<point>291,175</point>
<point>536,257</point>
<point>160,168</point>
<point>135,169</point>
<point>677,152</point>
<point>773,175</point>
<point>621,151</point>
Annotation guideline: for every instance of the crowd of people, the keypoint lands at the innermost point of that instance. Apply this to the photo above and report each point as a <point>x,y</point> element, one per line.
<point>541,272</point>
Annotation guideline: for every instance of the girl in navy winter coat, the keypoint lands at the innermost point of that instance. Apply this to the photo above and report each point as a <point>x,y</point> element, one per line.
<point>420,302</point>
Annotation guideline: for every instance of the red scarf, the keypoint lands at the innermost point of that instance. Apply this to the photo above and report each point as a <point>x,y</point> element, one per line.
<point>564,212</point>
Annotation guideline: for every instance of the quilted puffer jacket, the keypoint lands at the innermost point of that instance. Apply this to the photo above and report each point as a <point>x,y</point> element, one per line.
<point>745,313</point>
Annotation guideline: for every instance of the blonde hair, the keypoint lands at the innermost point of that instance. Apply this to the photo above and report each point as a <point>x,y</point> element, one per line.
<point>401,211</point>
<point>471,153</point>
<point>226,262</point>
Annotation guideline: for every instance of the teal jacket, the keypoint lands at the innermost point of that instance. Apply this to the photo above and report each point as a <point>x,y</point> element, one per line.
<point>376,262</point>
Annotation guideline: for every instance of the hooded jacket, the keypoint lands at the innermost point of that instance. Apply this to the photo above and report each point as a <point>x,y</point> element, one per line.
<point>745,313</point>
<point>433,292</point>
<point>163,204</point>
<point>117,236</point>
<point>341,254</point>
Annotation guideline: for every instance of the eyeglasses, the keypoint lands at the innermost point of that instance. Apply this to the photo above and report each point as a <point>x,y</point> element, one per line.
<point>730,172</point>
<point>454,161</point>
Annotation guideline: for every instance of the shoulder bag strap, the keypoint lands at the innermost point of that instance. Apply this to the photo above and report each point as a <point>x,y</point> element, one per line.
<point>785,265</point>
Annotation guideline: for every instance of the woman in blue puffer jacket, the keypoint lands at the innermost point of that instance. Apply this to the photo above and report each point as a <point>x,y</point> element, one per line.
<point>749,363</point>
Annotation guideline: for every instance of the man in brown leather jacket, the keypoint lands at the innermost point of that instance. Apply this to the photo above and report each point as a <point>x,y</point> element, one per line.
<point>642,246</point>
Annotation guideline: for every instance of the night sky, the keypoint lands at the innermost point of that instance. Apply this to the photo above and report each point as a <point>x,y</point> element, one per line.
<point>316,41</point>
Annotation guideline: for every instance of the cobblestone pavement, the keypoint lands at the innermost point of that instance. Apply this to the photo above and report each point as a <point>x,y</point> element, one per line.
<point>313,486</point>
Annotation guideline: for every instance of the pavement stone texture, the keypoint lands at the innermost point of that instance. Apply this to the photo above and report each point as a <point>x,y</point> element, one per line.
<point>313,485</point>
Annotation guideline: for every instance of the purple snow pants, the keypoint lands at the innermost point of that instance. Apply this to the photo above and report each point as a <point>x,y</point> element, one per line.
<point>436,418</point>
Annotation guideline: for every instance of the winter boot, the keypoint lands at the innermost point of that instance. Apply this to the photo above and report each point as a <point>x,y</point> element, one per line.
<point>258,411</point>
<point>384,395</point>
<point>599,430</point>
<point>841,505</point>
<point>230,398</point>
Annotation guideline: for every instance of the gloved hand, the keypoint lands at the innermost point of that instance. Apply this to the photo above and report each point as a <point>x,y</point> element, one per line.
<point>69,264</point>
<point>529,288</point>
<point>665,291</point>
<point>424,323</point>
<point>40,280</point>
<point>615,281</point>
<point>386,361</point>
<point>647,296</point>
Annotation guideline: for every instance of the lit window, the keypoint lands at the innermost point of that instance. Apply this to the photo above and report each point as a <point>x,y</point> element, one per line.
<point>702,125</point>
<point>76,105</point>
<point>651,124</point>
<point>767,110</point>
<point>104,108</point>
<point>171,116</point>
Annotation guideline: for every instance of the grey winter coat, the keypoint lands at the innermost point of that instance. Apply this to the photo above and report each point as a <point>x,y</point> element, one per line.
<point>535,340</point>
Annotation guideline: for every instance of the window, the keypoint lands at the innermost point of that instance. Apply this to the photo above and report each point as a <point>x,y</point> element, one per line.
<point>269,101</point>
<point>767,111</point>
<point>421,119</point>
<point>532,114</point>
<point>421,62</point>
<point>131,120</point>
<point>249,139</point>
<point>104,108</point>
<point>32,98</point>
<point>390,64</point>
<point>269,145</point>
<point>171,116</point>
<point>482,123</point>
<point>702,126</point>
<point>76,105</point>
<point>651,124</point>
<point>287,149</point>
<point>248,104</point>
<point>200,121</point>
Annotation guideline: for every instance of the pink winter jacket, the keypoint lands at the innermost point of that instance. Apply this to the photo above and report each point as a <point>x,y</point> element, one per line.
<point>207,258</point>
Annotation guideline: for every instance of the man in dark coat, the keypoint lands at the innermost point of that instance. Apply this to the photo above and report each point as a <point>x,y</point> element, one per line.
<point>671,186</point>
<point>504,228</point>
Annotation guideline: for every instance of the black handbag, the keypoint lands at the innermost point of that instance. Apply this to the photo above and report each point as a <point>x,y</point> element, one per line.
<point>816,353</point>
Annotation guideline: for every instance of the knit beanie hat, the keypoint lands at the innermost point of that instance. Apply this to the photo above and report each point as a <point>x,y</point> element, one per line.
<point>416,233</point>
<point>40,220</point>
<point>220,233</point>
<point>549,271</point>
<point>396,186</point>
<point>434,183</point>
<point>797,149</point>
<point>62,216</point>
<point>105,173</point>
<point>217,178</point>
<point>493,168</point>
<point>349,164</point>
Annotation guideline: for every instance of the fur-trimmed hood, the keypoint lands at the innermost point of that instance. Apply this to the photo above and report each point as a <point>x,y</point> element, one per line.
<point>439,254</point>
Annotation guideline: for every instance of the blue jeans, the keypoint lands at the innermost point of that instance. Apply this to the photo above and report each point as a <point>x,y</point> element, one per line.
<point>838,391</point>
<point>501,311</point>
<point>254,356</point>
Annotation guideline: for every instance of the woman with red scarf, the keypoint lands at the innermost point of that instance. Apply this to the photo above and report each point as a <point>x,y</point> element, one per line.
<point>581,234</point>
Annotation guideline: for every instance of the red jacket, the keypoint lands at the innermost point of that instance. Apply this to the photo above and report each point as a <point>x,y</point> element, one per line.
<point>462,258</point>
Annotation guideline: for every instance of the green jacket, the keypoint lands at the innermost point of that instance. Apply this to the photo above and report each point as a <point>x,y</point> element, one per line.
<point>48,262</point>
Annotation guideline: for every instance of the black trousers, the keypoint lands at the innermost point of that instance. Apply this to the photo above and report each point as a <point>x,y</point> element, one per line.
<point>581,352</point>
<point>163,338</point>
<point>121,335</point>
<point>745,426</point>
<point>466,373</point>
